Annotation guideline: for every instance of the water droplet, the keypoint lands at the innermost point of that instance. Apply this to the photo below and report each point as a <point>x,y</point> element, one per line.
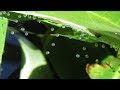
<point>4,12</point>
<point>26,33</point>
<point>86,56</point>
<point>39,21</point>
<point>24,15</point>
<point>84,48</point>
<point>34,18</point>
<point>22,29</point>
<point>16,21</point>
<point>103,46</point>
<point>57,35</point>
<point>52,29</point>
<point>77,56</point>
<point>96,44</point>
<point>29,17</point>
<point>12,32</point>
<point>19,16</point>
<point>97,60</point>
<point>70,37</point>
<point>53,44</point>
<point>47,52</point>
<point>63,26</point>
<point>8,14</point>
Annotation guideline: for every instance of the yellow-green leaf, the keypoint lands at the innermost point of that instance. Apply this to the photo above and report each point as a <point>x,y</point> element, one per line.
<point>3,29</point>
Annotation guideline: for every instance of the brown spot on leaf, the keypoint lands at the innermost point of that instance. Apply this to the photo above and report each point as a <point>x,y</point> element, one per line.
<point>104,65</point>
<point>98,73</point>
<point>88,68</point>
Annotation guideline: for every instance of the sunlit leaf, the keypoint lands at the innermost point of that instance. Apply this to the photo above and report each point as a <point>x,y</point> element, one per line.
<point>34,65</point>
<point>108,69</point>
<point>3,29</point>
<point>102,24</point>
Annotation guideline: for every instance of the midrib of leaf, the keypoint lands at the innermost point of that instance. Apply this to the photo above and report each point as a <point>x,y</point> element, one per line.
<point>104,18</point>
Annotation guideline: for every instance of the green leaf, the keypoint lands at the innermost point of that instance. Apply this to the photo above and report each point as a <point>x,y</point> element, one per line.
<point>91,23</point>
<point>108,69</point>
<point>89,26</point>
<point>103,23</point>
<point>3,29</point>
<point>34,64</point>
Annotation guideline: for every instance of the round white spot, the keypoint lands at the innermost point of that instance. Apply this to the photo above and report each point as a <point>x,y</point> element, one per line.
<point>63,26</point>
<point>47,52</point>
<point>96,60</point>
<point>8,14</point>
<point>34,18</point>
<point>53,44</point>
<point>86,56</point>
<point>52,29</point>
<point>16,21</point>
<point>4,12</point>
<point>84,48</point>
<point>12,32</point>
<point>24,15</point>
<point>103,46</point>
<point>39,21</point>
<point>96,44</point>
<point>77,56</point>
<point>22,29</point>
<point>29,17</point>
<point>26,33</point>
<point>70,37</point>
<point>57,35</point>
<point>19,16</point>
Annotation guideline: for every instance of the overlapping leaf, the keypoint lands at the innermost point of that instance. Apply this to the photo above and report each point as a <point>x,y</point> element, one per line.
<point>3,29</point>
<point>108,69</point>
<point>103,24</point>
<point>34,65</point>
